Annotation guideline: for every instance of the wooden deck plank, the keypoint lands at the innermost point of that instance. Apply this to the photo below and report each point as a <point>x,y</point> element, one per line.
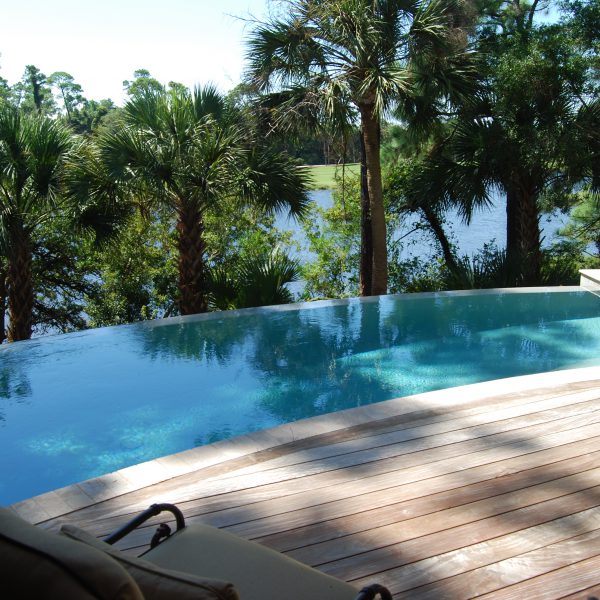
<point>281,533</point>
<point>417,548</point>
<point>555,584</point>
<point>478,567</point>
<point>462,440</point>
<point>169,487</point>
<point>400,531</point>
<point>590,593</point>
<point>511,560</point>
<point>454,483</point>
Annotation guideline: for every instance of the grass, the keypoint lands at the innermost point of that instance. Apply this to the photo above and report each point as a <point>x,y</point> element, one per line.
<point>323,176</point>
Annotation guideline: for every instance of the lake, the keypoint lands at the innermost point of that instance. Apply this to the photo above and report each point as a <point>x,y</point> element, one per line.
<point>486,226</point>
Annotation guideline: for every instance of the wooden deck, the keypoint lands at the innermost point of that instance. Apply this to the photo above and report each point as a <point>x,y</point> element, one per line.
<point>496,497</point>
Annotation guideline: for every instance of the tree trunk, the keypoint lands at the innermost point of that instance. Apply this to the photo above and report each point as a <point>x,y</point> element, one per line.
<point>370,133</point>
<point>3,291</point>
<point>20,290</point>
<point>523,244</point>
<point>192,276</point>
<point>436,226</point>
<point>366,232</point>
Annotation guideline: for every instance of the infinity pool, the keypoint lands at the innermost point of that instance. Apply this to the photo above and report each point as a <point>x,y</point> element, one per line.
<point>80,405</point>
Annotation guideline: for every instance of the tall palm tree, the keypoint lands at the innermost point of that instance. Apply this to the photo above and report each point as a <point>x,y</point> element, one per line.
<point>183,151</point>
<point>34,151</point>
<point>367,54</point>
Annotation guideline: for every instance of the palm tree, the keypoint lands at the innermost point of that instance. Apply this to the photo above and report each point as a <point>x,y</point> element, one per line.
<point>34,151</point>
<point>182,152</point>
<point>530,132</point>
<point>341,56</point>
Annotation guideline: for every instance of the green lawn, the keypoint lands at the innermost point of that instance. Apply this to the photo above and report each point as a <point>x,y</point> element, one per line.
<point>323,176</point>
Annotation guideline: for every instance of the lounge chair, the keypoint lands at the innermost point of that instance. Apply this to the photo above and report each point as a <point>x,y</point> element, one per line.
<point>196,562</point>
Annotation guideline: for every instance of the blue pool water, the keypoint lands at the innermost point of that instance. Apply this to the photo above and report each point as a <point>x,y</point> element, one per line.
<point>79,405</point>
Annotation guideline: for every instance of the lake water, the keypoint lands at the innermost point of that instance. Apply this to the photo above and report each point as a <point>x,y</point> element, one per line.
<point>486,226</point>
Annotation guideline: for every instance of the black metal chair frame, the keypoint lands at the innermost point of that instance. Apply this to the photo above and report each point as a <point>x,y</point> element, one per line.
<point>163,531</point>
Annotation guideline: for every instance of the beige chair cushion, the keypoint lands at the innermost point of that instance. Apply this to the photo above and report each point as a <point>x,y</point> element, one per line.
<point>155,582</point>
<point>257,572</point>
<point>35,563</point>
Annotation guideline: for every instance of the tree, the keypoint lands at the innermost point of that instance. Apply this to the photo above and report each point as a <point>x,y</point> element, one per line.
<point>65,275</point>
<point>362,55</point>
<point>33,94</point>
<point>33,154</point>
<point>137,270</point>
<point>528,133</point>
<point>92,114</point>
<point>184,151</point>
<point>142,83</point>
<point>69,92</point>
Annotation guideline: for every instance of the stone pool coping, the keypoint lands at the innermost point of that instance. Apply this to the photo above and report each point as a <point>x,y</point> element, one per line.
<point>80,495</point>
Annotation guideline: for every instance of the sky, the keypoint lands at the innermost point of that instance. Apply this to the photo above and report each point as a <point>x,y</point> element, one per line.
<point>102,43</point>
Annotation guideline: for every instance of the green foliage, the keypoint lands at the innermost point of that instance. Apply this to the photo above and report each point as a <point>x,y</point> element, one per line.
<point>32,94</point>
<point>334,240</point>
<point>584,226</point>
<point>137,273</point>
<point>69,93</point>
<point>92,115</point>
<point>34,152</point>
<point>414,275</point>
<point>142,83</point>
<point>64,275</point>
<point>43,275</point>
<point>257,280</point>
<point>329,65</point>
<point>234,233</point>
<point>533,124</point>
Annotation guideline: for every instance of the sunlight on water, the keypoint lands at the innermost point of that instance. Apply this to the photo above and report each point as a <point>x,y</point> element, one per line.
<point>84,404</point>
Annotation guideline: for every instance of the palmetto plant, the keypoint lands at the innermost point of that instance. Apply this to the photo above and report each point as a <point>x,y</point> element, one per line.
<point>34,152</point>
<point>184,151</point>
<point>340,58</point>
<point>258,280</point>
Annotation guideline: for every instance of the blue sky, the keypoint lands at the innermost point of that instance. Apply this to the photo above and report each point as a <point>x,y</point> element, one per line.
<point>102,43</point>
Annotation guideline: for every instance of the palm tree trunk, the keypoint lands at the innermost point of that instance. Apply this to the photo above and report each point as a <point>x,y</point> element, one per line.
<point>20,290</point>
<point>3,291</point>
<point>436,226</point>
<point>370,133</point>
<point>192,276</point>
<point>366,231</point>
<point>523,244</point>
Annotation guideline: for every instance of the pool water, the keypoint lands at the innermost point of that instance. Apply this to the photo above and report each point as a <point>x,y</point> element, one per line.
<point>80,405</point>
